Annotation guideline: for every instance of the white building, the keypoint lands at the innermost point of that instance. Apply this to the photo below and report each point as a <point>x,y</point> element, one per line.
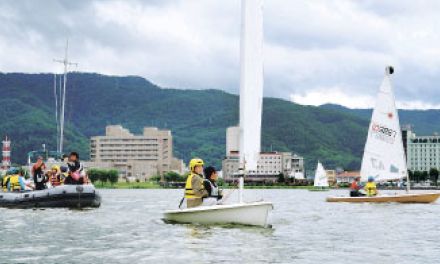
<point>270,165</point>
<point>138,156</point>
<point>422,152</point>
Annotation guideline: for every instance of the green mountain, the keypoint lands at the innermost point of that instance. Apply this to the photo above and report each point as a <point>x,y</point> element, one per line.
<point>198,118</point>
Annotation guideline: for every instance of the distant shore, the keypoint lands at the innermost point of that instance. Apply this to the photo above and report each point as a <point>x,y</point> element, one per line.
<point>156,185</point>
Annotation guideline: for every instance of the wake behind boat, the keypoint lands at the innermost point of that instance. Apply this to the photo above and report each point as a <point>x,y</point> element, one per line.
<point>68,196</point>
<point>384,156</point>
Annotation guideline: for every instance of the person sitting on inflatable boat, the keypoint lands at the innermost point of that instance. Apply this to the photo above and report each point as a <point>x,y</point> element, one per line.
<point>210,184</point>
<point>64,173</point>
<point>55,176</point>
<point>75,170</point>
<point>15,183</point>
<point>38,174</point>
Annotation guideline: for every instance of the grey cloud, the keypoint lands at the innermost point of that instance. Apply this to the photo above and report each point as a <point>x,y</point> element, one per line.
<point>309,45</point>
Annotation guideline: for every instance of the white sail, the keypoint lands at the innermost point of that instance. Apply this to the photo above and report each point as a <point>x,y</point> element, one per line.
<point>251,82</point>
<point>320,176</point>
<point>384,157</point>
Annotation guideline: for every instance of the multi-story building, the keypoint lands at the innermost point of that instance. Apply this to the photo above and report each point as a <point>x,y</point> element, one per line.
<point>331,176</point>
<point>347,176</point>
<point>270,165</point>
<point>138,156</point>
<point>422,152</point>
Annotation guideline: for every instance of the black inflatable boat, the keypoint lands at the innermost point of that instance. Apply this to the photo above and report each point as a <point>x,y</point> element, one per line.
<point>68,196</point>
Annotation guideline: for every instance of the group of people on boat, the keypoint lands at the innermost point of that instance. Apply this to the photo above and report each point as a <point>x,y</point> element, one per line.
<point>71,172</point>
<point>201,185</point>
<point>356,187</point>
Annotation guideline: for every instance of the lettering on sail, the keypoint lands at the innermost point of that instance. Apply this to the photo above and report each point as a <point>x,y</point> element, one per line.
<point>377,164</point>
<point>383,133</point>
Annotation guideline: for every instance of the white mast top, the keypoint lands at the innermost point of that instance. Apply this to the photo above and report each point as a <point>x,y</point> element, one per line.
<point>66,63</point>
<point>251,82</point>
<point>384,156</point>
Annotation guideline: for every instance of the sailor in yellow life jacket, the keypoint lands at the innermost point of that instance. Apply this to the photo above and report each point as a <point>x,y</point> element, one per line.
<point>194,188</point>
<point>5,182</point>
<point>370,187</point>
<point>14,181</point>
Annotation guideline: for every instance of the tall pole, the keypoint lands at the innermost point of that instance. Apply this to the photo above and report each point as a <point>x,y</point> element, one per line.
<point>56,108</point>
<point>66,63</point>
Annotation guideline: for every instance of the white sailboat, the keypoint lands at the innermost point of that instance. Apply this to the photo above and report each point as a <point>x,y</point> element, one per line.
<point>251,99</point>
<point>384,156</point>
<point>321,181</point>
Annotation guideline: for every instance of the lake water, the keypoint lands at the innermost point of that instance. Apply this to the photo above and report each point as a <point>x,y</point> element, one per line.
<point>127,228</point>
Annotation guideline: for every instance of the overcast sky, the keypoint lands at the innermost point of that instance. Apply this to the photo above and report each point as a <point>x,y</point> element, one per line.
<point>315,52</point>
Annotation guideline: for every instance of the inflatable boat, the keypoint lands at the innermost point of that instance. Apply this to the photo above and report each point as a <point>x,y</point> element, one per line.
<point>68,196</point>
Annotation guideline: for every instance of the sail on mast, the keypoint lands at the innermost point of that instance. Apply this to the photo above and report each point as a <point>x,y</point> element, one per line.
<point>320,176</point>
<point>384,156</point>
<point>251,82</point>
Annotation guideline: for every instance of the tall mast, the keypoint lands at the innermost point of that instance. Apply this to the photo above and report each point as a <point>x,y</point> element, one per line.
<point>55,91</point>
<point>66,64</point>
<point>251,82</point>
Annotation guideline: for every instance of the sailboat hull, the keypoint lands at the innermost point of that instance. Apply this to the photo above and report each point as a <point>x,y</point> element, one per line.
<point>400,198</point>
<point>253,214</point>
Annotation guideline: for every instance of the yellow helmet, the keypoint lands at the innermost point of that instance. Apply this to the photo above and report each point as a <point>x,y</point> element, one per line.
<point>195,162</point>
<point>56,167</point>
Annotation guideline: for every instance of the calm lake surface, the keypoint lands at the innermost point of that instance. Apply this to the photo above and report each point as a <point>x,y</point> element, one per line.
<point>128,229</point>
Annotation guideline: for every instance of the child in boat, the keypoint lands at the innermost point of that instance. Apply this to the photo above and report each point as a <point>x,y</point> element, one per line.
<point>355,188</point>
<point>55,176</point>
<point>370,187</point>
<point>194,188</point>
<point>75,170</point>
<point>210,184</point>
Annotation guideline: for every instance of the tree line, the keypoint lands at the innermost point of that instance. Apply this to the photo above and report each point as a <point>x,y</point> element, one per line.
<point>103,176</point>
<point>418,176</point>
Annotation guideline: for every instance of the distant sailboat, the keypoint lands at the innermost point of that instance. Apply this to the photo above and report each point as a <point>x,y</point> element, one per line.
<point>321,181</point>
<point>251,99</point>
<point>384,156</point>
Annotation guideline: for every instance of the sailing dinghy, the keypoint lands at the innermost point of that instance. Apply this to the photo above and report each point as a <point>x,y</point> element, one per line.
<point>251,99</point>
<point>321,181</point>
<point>384,156</point>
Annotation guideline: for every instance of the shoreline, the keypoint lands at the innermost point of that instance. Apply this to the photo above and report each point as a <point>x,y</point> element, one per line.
<point>155,185</point>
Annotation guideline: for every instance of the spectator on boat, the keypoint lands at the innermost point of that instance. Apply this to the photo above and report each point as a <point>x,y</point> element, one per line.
<point>55,176</point>
<point>75,170</point>
<point>370,187</point>
<point>5,181</point>
<point>355,188</point>
<point>38,174</point>
<point>210,184</point>
<point>194,188</point>
<point>16,181</point>
<point>64,173</point>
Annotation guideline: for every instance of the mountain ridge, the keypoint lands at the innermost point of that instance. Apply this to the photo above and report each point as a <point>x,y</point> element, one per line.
<point>197,118</point>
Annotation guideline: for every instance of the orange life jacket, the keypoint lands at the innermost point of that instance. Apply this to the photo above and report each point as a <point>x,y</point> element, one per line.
<point>55,180</point>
